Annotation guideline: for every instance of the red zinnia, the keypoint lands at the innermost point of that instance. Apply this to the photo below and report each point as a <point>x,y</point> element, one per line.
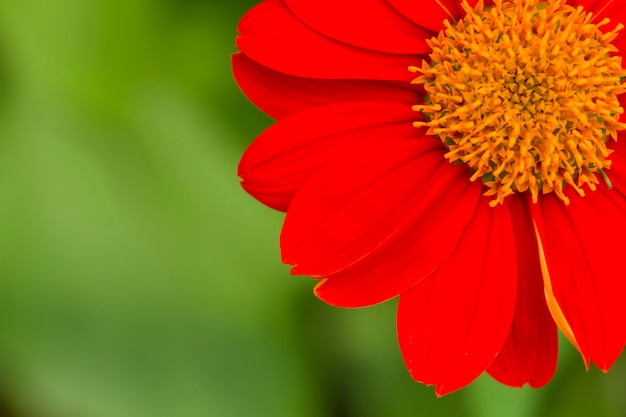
<point>461,155</point>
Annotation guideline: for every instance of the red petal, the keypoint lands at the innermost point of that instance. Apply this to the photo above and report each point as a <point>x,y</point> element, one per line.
<point>429,14</point>
<point>529,354</point>
<point>584,249</point>
<point>280,95</point>
<point>272,36</point>
<point>287,153</point>
<point>413,255</point>
<point>452,324</point>
<point>371,24</point>
<point>356,205</point>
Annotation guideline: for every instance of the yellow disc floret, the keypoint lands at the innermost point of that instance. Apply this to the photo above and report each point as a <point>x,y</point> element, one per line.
<point>525,93</point>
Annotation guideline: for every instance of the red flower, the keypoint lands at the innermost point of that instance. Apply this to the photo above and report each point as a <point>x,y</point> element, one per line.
<point>460,156</point>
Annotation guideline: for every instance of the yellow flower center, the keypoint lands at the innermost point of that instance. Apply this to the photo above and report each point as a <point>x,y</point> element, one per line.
<point>525,93</point>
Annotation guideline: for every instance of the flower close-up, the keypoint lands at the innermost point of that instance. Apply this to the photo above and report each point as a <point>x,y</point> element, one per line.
<point>467,157</point>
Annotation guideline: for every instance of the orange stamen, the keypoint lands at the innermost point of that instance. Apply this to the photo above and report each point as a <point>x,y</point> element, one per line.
<point>525,93</point>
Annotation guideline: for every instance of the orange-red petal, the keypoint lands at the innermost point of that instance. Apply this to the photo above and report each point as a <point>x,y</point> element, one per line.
<point>529,355</point>
<point>358,204</point>
<point>285,155</point>
<point>370,24</point>
<point>279,95</point>
<point>272,36</point>
<point>452,324</point>
<point>413,255</point>
<point>584,249</point>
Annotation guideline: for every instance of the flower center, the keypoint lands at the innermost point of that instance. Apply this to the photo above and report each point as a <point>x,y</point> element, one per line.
<point>525,93</point>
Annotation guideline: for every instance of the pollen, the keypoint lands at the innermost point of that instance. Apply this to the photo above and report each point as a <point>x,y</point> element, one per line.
<point>525,93</point>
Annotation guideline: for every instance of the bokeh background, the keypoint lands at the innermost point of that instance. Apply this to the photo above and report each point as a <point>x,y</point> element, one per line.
<point>138,279</point>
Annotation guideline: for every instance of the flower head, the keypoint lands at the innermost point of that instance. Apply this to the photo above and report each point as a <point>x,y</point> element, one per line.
<point>464,156</point>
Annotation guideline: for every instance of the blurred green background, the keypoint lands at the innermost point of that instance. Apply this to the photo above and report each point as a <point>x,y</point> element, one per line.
<point>138,279</point>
